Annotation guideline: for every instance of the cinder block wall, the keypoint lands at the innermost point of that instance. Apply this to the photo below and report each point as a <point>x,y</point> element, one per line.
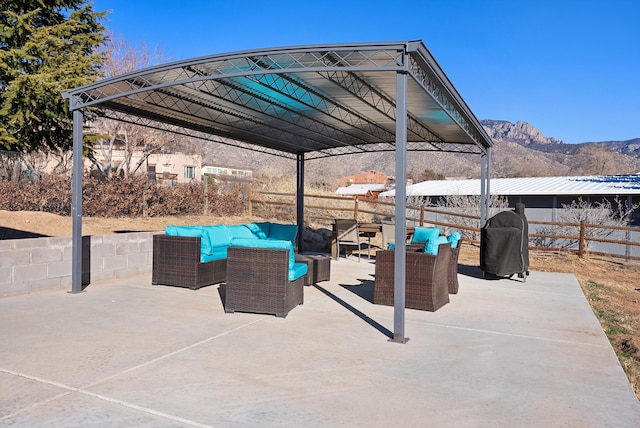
<point>29,265</point>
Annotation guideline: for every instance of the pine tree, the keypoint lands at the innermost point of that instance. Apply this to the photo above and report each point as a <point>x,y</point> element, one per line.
<point>46,48</point>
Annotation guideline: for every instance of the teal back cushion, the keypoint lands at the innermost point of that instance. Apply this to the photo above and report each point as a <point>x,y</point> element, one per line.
<point>454,238</point>
<point>431,246</point>
<point>268,243</point>
<point>192,231</point>
<point>284,232</point>
<point>240,231</point>
<point>219,235</point>
<point>261,230</point>
<point>423,234</point>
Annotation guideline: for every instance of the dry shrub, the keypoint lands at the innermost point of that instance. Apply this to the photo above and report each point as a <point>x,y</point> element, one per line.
<point>51,194</point>
<point>118,197</point>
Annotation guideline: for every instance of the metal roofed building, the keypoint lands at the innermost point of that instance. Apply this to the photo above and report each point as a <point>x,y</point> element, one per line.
<point>544,197</point>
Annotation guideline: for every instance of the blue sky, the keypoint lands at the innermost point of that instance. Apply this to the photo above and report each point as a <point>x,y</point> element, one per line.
<point>569,68</point>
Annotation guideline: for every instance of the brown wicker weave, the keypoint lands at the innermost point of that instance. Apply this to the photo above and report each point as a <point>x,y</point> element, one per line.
<point>453,269</point>
<point>426,285</point>
<point>176,261</point>
<point>257,281</point>
<point>319,268</point>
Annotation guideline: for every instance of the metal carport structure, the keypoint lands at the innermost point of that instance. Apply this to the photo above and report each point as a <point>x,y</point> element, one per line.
<point>302,103</point>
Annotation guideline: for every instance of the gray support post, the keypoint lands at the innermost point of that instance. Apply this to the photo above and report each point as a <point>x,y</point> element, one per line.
<point>400,258</point>
<point>489,151</point>
<point>627,247</point>
<point>300,198</point>
<point>76,204</point>
<point>483,190</point>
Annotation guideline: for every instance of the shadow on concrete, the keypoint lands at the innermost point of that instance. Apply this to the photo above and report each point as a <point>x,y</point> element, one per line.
<point>471,271</point>
<point>382,329</point>
<point>222,292</point>
<point>363,290</point>
<point>9,233</point>
<point>476,272</point>
<point>86,261</point>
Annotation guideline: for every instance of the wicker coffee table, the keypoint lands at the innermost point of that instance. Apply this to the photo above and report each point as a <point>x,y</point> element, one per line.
<point>319,267</point>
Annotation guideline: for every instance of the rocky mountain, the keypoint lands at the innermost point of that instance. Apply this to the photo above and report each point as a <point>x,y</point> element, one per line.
<point>526,135</point>
<point>520,132</point>
<point>520,150</point>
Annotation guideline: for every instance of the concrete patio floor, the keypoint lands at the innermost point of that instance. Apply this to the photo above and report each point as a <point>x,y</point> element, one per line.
<point>502,353</point>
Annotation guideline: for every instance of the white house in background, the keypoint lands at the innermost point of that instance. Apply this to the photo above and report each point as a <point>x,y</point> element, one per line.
<point>171,168</point>
<point>543,197</point>
<point>227,172</point>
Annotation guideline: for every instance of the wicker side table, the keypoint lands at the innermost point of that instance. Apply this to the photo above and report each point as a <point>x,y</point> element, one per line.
<point>319,267</point>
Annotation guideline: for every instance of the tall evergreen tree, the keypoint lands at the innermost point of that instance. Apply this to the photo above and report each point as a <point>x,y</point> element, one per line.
<point>46,48</point>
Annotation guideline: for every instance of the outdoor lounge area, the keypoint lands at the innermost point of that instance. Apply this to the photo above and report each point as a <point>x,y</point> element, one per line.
<point>303,103</point>
<point>127,353</point>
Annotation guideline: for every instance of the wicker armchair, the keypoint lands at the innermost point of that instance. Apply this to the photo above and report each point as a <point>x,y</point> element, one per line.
<point>452,277</point>
<point>258,281</point>
<point>176,261</point>
<point>426,282</point>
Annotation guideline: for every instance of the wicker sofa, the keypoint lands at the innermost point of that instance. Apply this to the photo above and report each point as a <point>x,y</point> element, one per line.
<point>176,261</point>
<point>264,279</point>
<point>195,256</point>
<point>426,278</point>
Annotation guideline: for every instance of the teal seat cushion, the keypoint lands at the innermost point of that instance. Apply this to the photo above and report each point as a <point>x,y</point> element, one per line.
<point>261,230</point>
<point>423,234</point>
<point>454,238</point>
<point>284,232</point>
<point>431,246</point>
<point>219,235</point>
<point>218,253</point>
<point>245,242</point>
<point>297,271</point>
<point>192,231</point>
<point>240,231</point>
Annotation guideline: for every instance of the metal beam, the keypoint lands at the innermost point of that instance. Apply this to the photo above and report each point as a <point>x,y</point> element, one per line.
<point>400,256</point>
<point>76,204</point>
<point>300,198</point>
<point>489,150</point>
<point>483,190</point>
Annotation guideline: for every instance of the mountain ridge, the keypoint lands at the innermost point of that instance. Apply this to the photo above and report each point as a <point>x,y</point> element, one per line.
<point>520,150</point>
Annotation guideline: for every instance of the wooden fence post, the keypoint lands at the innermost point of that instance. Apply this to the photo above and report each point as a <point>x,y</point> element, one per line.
<point>249,198</point>
<point>206,195</point>
<point>355,209</point>
<point>582,244</point>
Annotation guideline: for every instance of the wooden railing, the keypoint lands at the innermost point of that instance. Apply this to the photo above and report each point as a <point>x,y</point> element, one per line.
<point>282,206</point>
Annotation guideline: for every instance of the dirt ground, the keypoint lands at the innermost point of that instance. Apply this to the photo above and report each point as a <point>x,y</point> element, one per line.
<point>612,286</point>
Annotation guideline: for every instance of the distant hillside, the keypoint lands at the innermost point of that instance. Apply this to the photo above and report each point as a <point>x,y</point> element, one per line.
<point>520,150</point>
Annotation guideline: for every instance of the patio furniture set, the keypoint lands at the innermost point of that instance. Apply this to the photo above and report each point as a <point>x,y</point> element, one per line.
<point>262,272</point>
<point>257,262</point>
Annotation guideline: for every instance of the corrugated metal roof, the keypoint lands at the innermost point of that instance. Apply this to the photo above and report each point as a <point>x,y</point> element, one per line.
<point>360,189</point>
<point>531,186</point>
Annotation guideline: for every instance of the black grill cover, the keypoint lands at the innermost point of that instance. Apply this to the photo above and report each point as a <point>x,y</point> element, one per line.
<point>504,243</point>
